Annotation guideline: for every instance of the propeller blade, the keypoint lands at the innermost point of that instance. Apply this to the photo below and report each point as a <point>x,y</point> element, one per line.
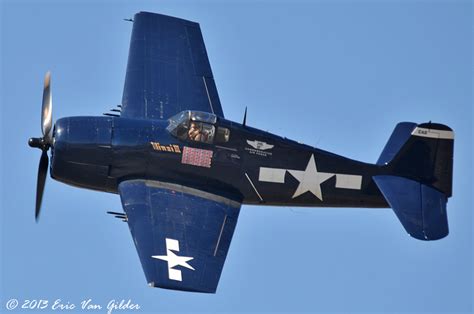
<point>46,111</point>
<point>42,171</point>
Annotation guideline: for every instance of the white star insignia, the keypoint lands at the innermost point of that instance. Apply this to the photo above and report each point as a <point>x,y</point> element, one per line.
<point>175,260</point>
<point>310,179</point>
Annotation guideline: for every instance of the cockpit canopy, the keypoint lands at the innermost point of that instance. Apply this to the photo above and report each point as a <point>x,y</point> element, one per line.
<point>197,126</point>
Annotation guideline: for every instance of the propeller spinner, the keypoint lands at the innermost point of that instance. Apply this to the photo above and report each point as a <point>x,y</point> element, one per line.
<point>45,142</point>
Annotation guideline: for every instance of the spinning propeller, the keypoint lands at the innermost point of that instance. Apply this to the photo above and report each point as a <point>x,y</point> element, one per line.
<point>45,142</point>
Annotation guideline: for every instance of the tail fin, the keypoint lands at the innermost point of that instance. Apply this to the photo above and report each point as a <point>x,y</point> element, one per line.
<point>418,160</point>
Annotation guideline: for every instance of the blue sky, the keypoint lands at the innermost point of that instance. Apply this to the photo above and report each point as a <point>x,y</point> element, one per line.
<point>337,75</point>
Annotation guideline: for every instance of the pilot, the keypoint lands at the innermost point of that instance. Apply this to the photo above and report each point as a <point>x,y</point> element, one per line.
<point>194,132</point>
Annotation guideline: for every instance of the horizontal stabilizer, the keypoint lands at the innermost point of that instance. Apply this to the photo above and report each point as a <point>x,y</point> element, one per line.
<point>420,208</point>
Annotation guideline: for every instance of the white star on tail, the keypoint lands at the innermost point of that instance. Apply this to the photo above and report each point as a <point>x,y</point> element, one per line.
<point>174,260</point>
<point>310,179</point>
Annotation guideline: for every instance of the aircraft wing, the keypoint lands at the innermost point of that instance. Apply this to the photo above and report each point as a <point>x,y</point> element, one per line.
<point>168,69</point>
<point>182,235</point>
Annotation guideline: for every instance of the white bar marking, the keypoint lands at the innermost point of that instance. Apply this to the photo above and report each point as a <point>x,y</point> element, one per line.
<point>172,244</point>
<point>348,181</point>
<point>174,274</point>
<point>274,175</point>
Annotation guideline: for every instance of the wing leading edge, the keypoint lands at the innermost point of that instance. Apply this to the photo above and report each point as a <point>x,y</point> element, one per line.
<point>182,235</point>
<point>168,69</point>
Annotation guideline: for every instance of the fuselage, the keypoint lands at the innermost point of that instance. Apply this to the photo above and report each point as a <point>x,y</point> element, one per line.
<point>250,166</point>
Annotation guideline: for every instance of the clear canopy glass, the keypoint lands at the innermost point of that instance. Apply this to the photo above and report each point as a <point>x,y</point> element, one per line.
<point>196,125</point>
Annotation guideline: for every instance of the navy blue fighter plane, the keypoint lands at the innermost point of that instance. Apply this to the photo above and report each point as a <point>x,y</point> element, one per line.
<point>183,171</point>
